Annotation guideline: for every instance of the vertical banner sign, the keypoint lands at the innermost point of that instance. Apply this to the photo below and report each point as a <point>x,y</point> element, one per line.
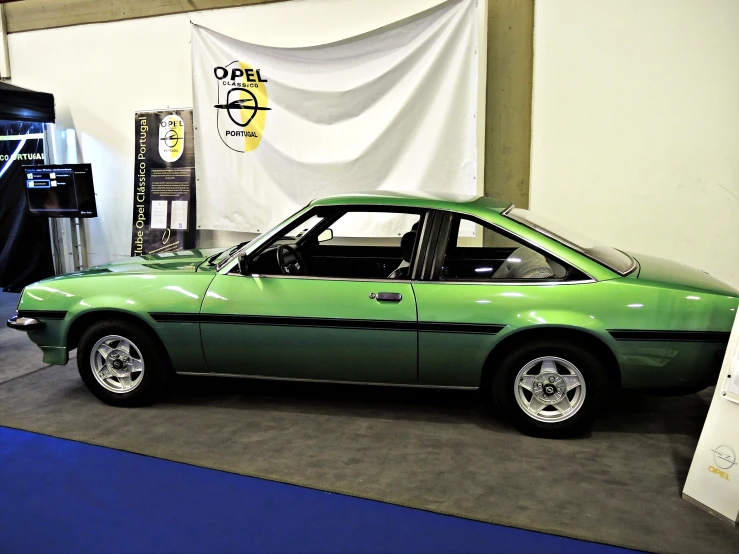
<point>713,479</point>
<point>164,183</point>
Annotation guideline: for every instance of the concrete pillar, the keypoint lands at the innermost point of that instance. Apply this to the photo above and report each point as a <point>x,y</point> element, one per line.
<point>510,59</point>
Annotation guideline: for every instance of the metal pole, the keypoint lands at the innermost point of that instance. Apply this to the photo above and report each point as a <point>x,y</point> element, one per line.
<point>77,225</point>
<point>83,243</point>
<point>4,55</point>
<point>74,223</point>
<point>57,242</point>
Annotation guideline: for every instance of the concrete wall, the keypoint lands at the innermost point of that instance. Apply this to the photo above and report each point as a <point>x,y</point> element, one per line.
<point>635,127</point>
<point>100,74</point>
<point>508,115</point>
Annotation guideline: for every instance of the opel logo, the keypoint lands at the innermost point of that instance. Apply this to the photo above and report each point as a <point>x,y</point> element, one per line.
<point>234,106</point>
<point>724,457</point>
<point>171,138</point>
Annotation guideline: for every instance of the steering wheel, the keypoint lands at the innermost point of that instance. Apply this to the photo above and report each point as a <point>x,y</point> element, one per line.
<point>290,262</point>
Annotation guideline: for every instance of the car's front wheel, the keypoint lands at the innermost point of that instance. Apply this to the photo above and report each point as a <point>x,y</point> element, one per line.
<point>550,389</point>
<point>121,364</point>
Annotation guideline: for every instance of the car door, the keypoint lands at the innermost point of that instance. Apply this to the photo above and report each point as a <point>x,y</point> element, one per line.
<point>311,327</point>
<point>471,294</point>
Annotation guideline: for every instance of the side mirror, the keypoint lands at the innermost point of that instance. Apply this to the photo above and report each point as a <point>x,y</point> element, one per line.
<point>328,234</point>
<point>243,264</point>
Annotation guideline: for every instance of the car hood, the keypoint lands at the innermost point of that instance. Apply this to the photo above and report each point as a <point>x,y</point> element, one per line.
<point>184,261</point>
<point>652,268</point>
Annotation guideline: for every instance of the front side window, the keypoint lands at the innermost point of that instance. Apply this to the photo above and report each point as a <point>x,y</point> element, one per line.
<point>344,243</point>
<point>371,228</point>
<point>604,255</point>
<point>478,252</point>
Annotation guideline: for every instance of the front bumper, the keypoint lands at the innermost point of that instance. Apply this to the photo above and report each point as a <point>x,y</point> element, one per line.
<point>24,323</point>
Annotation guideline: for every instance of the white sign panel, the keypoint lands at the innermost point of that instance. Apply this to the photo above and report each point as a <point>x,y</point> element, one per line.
<point>713,480</point>
<point>278,127</point>
<point>158,214</point>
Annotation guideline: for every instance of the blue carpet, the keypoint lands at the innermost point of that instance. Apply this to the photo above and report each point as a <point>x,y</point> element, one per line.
<point>63,496</point>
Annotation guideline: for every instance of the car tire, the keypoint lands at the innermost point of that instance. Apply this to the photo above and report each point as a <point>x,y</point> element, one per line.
<point>534,379</point>
<point>121,364</point>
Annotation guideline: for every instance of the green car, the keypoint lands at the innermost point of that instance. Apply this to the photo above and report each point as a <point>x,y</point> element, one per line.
<point>393,289</point>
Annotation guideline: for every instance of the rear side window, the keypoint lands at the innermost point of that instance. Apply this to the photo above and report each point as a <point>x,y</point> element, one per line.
<point>605,255</point>
<point>478,252</point>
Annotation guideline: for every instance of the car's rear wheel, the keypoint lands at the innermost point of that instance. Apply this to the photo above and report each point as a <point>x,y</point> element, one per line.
<point>549,388</point>
<point>121,364</point>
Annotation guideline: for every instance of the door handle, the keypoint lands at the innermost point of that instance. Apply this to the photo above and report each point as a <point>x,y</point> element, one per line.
<point>386,296</point>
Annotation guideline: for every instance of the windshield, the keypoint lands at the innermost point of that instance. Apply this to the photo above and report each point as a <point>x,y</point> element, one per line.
<point>605,255</point>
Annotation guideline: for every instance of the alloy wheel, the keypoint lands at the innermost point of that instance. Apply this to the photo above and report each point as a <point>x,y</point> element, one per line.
<point>550,389</point>
<point>117,364</point>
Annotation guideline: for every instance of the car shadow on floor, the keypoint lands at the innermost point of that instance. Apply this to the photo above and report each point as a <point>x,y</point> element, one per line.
<point>329,398</point>
<point>626,411</point>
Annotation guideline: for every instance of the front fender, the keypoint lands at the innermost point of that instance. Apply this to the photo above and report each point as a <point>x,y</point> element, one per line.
<point>75,298</point>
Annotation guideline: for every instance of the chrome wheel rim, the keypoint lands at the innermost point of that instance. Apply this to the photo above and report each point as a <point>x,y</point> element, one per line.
<point>550,389</point>
<point>117,364</point>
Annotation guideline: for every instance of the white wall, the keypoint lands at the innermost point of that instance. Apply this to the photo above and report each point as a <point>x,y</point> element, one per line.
<point>635,131</point>
<point>101,74</point>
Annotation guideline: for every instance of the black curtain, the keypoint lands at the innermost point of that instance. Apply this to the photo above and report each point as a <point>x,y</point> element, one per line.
<point>25,242</point>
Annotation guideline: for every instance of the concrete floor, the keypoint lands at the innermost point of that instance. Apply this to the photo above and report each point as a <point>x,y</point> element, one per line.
<point>442,451</point>
<point>18,355</point>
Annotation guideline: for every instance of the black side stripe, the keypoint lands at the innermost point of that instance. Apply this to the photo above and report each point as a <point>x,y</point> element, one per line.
<point>669,336</point>
<point>42,314</point>
<point>309,322</point>
<point>338,323</point>
<point>285,321</point>
<point>473,328</point>
<point>173,317</point>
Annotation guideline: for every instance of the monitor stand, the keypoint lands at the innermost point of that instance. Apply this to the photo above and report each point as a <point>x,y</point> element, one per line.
<point>79,253</point>
<point>68,244</point>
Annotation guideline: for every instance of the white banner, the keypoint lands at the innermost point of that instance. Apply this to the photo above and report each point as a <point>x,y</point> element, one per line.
<point>278,127</point>
<point>713,479</point>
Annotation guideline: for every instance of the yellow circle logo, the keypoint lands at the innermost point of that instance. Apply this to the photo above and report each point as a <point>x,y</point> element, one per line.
<point>242,105</point>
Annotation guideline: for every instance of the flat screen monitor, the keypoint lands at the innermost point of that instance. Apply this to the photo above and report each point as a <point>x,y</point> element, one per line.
<point>60,190</point>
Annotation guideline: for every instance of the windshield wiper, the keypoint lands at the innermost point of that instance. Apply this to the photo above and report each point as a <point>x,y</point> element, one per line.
<point>210,260</point>
<point>238,247</point>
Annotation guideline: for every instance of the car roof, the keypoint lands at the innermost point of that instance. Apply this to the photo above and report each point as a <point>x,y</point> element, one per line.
<point>432,200</point>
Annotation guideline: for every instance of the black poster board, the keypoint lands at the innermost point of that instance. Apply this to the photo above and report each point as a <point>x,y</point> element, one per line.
<point>164,183</point>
